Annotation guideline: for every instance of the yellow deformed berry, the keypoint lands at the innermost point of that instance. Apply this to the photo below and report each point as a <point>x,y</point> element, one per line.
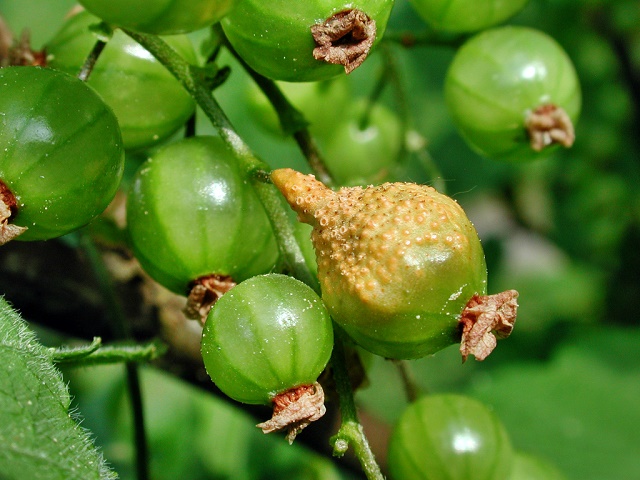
<point>399,264</point>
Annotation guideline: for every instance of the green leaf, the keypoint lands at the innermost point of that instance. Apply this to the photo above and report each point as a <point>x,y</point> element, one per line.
<point>39,439</point>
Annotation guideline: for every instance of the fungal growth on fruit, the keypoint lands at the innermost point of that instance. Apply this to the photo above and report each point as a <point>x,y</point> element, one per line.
<point>401,267</point>
<point>344,38</point>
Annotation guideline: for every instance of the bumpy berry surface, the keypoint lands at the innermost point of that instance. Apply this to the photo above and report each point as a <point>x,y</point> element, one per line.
<point>452,437</point>
<point>61,152</point>
<point>265,336</point>
<point>397,262</point>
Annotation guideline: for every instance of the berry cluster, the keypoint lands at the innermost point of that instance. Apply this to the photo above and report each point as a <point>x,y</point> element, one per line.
<point>400,267</point>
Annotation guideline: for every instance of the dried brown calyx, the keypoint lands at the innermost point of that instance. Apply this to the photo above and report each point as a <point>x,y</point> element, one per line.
<point>8,208</point>
<point>485,319</point>
<point>18,52</point>
<point>206,291</point>
<point>547,125</point>
<point>344,38</point>
<point>294,409</point>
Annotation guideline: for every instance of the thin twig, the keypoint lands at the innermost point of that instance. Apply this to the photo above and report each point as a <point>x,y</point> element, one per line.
<point>414,143</point>
<point>139,432</point>
<point>426,38</point>
<point>291,119</point>
<point>122,329</point>
<point>381,83</point>
<point>411,388</point>
<point>251,166</point>
<point>98,354</point>
<point>351,432</point>
<point>90,61</point>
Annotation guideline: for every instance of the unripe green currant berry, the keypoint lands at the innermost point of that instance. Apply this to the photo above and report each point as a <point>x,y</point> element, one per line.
<point>266,341</point>
<point>401,267</point>
<point>198,230</point>
<point>449,436</point>
<point>148,101</point>
<point>465,15</point>
<point>306,41</point>
<point>61,154</point>
<point>513,93</point>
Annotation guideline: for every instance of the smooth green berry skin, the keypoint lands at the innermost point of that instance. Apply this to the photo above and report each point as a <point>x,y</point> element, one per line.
<point>160,17</point>
<point>360,143</point>
<point>321,103</point>
<point>466,15</point>
<point>274,37</point>
<point>191,213</point>
<point>265,336</point>
<point>61,152</point>
<point>497,78</point>
<point>148,101</point>
<point>362,155</point>
<point>449,436</point>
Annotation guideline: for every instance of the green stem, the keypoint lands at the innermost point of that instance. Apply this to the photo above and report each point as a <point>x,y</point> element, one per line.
<point>374,97</point>
<point>414,142</point>
<point>96,354</point>
<point>122,329</point>
<point>139,431</point>
<point>71,355</point>
<point>104,32</point>
<point>90,61</point>
<point>351,432</point>
<point>292,121</point>
<point>392,75</point>
<point>252,167</point>
<point>426,38</point>
<point>411,388</point>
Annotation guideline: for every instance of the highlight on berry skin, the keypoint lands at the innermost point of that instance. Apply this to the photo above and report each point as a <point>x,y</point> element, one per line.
<point>401,267</point>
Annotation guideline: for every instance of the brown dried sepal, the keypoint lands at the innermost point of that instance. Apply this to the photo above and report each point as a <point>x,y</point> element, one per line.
<point>6,41</point>
<point>344,38</point>
<point>204,293</point>
<point>8,207</point>
<point>549,124</point>
<point>18,52</point>
<point>294,409</point>
<point>485,319</point>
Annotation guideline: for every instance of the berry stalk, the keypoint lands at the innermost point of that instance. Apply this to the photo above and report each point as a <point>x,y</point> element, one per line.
<point>191,79</point>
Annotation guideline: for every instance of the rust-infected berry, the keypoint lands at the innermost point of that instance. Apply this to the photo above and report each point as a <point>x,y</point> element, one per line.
<point>398,264</point>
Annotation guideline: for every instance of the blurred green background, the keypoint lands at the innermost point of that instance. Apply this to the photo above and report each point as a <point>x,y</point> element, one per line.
<point>564,232</point>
